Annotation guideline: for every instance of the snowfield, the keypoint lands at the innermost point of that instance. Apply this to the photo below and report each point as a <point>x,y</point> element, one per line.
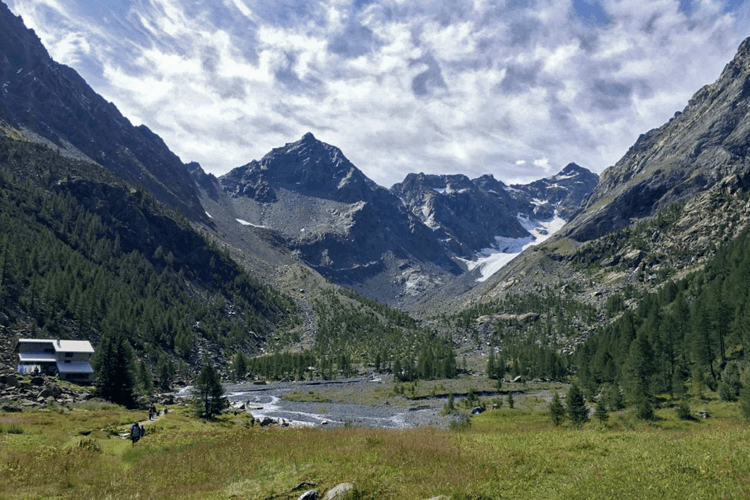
<point>491,260</point>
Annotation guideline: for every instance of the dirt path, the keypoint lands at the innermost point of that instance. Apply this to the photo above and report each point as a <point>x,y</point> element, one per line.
<point>143,423</point>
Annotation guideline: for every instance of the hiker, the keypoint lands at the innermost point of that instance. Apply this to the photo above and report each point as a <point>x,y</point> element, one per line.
<point>150,413</point>
<point>142,431</point>
<point>135,432</point>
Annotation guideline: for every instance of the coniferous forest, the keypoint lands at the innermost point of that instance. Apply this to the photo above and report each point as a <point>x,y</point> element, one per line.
<point>693,333</point>
<point>84,256</point>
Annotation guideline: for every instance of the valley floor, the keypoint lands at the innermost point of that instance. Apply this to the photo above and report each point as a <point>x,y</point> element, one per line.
<point>76,452</point>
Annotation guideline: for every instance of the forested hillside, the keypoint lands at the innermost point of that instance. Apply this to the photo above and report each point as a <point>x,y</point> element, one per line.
<point>83,255</point>
<point>695,329</point>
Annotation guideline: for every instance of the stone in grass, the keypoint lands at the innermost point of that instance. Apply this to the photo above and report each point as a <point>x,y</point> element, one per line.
<point>341,492</point>
<point>310,495</point>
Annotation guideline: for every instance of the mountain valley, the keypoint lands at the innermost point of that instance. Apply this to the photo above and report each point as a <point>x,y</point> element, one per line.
<point>300,251</point>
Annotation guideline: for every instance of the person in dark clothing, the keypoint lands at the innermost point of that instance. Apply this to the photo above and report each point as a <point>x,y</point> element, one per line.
<point>135,432</point>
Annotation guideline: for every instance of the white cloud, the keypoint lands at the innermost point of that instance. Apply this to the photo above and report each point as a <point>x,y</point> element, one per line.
<point>436,86</point>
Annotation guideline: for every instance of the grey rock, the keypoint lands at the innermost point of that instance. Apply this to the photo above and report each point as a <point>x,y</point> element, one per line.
<point>45,393</point>
<point>267,421</point>
<point>37,381</point>
<point>341,491</point>
<point>4,320</point>
<point>11,409</point>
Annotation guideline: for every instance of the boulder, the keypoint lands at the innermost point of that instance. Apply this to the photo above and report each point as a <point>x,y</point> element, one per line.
<point>4,320</point>
<point>310,495</point>
<point>9,380</point>
<point>267,421</point>
<point>11,409</point>
<point>45,393</point>
<point>37,381</point>
<point>477,410</point>
<point>341,492</point>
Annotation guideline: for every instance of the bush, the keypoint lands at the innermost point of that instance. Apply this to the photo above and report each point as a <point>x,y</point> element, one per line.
<point>14,429</point>
<point>460,424</point>
<point>645,410</point>
<point>683,411</point>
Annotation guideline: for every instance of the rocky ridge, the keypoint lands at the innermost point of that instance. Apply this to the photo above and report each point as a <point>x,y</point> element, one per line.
<point>392,245</point>
<point>51,104</point>
<point>705,143</point>
<point>468,215</point>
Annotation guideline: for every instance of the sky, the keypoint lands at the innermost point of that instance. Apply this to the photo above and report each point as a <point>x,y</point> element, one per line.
<point>514,88</point>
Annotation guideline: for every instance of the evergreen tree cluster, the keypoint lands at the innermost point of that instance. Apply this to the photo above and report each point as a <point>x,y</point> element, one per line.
<point>531,347</point>
<point>289,365</point>
<point>694,330</point>
<point>364,331</point>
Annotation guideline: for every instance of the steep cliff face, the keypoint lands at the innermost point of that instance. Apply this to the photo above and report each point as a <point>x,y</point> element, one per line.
<point>708,141</point>
<point>464,215</point>
<point>469,215</point>
<point>52,101</point>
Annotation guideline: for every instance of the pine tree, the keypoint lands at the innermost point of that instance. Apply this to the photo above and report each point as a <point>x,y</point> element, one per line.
<point>145,379</point>
<point>208,394</point>
<point>165,369</point>
<point>556,410</point>
<point>114,369</point>
<point>491,365</point>
<point>239,366</point>
<point>744,400</point>
<point>601,412</point>
<point>577,411</point>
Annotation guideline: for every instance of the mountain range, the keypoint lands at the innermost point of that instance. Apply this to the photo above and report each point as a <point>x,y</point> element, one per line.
<point>305,220</point>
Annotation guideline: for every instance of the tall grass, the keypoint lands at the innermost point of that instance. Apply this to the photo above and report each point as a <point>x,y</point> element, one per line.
<point>503,454</point>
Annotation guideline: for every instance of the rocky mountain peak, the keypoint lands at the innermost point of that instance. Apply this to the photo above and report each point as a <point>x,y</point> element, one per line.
<point>562,194</point>
<point>307,166</point>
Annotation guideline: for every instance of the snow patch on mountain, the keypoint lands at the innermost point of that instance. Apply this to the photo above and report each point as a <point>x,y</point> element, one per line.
<point>491,260</point>
<point>246,223</point>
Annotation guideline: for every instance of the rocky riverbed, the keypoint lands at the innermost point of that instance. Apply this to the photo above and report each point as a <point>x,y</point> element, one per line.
<point>368,401</point>
<point>266,401</point>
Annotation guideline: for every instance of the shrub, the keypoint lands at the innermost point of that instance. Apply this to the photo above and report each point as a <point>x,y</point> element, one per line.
<point>683,411</point>
<point>460,424</point>
<point>14,429</point>
<point>645,411</point>
<point>556,410</point>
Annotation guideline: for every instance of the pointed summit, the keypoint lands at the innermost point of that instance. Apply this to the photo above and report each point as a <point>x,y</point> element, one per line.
<point>309,167</point>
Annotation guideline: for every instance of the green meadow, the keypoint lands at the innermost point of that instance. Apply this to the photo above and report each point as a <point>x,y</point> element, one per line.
<point>506,453</point>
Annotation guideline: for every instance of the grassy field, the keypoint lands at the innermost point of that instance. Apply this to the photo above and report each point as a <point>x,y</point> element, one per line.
<point>507,453</point>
